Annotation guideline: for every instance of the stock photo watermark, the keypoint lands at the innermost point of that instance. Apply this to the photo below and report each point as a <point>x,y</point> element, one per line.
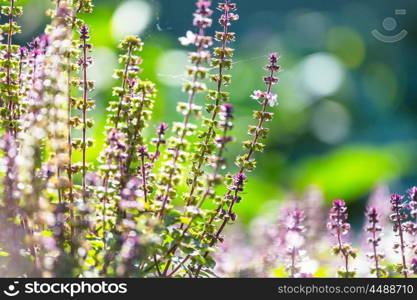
<point>390,24</point>
<point>71,289</point>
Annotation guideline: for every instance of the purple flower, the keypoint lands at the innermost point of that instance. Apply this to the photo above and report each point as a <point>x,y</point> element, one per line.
<point>93,179</point>
<point>239,179</point>
<point>294,238</point>
<point>201,21</point>
<point>84,30</point>
<point>226,112</point>
<point>48,170</point>
<point>397,206</point>
<point>162,128</point>
<point>412,205</point>
<point>132,190</point>
<point>374,239</point>
<point>23,52</point>
<point>202,15</point>
<point>117,146</point>
<point>203,4</point>
<point>40,43</point>
<point>273,58</point>
<point>414,265</point>
<point>142,149</point>
<point>63,10</point>
<point>115,137</point>
<point>338,217</point>
<point>298,217</point>
<point>270,79</point>
<point>396,201</point>
<point>272,67</point>
<point>412,193</point>
<point>339,226</point>
<point>372,215</point>
<point>35,53</point>
<point>44,41</point>
<point>34,44</point>
<point>339,203</point>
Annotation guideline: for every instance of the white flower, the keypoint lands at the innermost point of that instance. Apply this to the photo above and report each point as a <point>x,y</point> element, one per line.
<point>189,38</point>
<point>272,99</point>
<point>257,95</point>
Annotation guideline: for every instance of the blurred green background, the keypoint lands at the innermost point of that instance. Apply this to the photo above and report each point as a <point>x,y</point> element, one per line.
<point>347,117</point>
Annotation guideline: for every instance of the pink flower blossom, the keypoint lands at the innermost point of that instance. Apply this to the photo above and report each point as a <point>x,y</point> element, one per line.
<point>257,95</point>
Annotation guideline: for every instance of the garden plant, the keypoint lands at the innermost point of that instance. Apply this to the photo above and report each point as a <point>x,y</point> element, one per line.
<point>158,200</point>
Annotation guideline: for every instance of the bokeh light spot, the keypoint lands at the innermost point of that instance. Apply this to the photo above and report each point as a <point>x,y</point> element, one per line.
<point>170,66</point>
<point>130,18</point>
<point>331,122</point>
<point>321,74</point>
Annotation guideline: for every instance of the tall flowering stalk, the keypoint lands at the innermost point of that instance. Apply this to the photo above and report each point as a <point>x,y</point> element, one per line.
<point>59,45</point>
<point>72,209</point>
<point>149,159</point>
<point>130,238</point>
<point>22,76</point>
<point>412,204</point>
<point>111,158</point>
<point>78,87</point>
<point>159,141</point>
<point>32,177</point>
<point>11,192</point>
<point>235,183</point>
<point>221,116</point>
<point>398,216</point>
<point>129,96</point>
<point>136,235</point>
<point>218,161</point>
<point>30,154</point>
<point>130,61</point>
<point>45,123</point>
<point>85,61</point>
<point>226,116</point>
<point>374,230</point>
<point>34,69</point>
<point>295,240</point>
<point>411,225</point>
<point>245,162</point>
<point>177,145</point>
<point>205,149</point>
<point>138,113</point>
<point>125,125</point>
<point>12,234</point>
<point>339,227</point>
<point>9,69</point>
<point>114,154</point>
<point>74,60</point>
